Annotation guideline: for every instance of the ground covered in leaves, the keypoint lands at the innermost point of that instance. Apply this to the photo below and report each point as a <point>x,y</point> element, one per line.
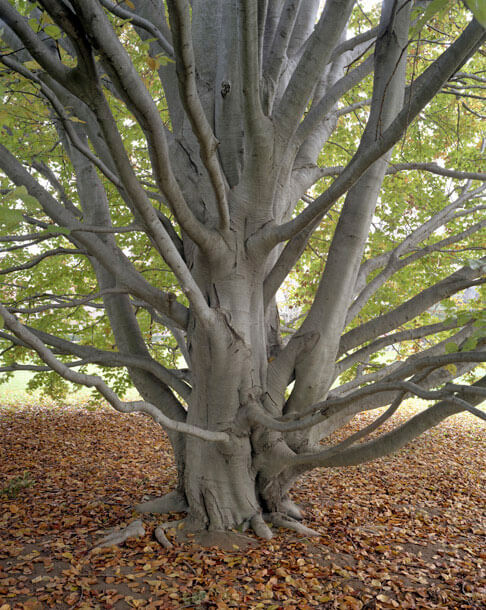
<point>407,531</point>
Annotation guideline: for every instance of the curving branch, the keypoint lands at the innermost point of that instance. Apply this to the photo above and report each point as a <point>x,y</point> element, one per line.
<point>94,381</point>
<point>133,92</point>
<point>63,116</point>
<point>441,218</point>
<point>460,280</point>
<point>325,410</point>
<point>364,353</point>
<point>395,168</point>
<point>320,111</point>
<point>93,355</point>
<point>433,168</point>
<point>39,258</point>
<point>112,258</point>
<point>392,441</point>
<point>354,42</point>
<point>393,370</point>
<point>43,54</point>
<point>180,20</point>
<point>426,86</point>
<point>162,239</point>
<point>395,264</point>
<point>140,22</point>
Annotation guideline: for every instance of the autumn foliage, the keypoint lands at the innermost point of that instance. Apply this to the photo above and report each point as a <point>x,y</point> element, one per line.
<point>406,531</point>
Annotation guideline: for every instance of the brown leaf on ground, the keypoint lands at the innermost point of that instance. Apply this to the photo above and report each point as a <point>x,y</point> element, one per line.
<point>407,531</point>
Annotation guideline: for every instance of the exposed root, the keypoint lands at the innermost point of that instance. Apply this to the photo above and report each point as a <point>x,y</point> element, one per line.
<point>292,510</point>
<point>281,520</point>
<point>171,502</point>
<point>168,525</point>
<point>260,528</point>
<point>162,538</point>
<point>134,530</point>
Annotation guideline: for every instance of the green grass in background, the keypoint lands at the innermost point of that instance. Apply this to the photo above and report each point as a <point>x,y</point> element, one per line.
<point>15,393</point>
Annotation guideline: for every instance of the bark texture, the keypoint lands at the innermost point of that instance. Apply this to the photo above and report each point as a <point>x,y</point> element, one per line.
<point>251,92</point>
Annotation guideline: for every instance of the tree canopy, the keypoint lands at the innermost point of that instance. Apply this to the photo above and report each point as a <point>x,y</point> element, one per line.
<point>268,217</point>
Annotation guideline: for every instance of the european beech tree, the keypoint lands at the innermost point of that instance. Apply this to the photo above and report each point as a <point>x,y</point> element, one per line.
<point>170,168</point>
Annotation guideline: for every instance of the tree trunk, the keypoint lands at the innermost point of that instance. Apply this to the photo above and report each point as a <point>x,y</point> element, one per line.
<point>227,484</point>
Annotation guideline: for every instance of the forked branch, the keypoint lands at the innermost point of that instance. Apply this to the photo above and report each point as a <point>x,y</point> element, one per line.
<point>390,442</point>
<point>180,19</point>
<point>141,406</point>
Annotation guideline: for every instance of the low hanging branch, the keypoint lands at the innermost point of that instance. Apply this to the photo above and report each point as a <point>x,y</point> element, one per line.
<point>96,382</point>
<point>225,138</point>
<point>328,408</point>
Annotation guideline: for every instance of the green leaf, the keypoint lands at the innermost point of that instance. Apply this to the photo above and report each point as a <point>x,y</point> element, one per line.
<point>10,218</point>
<point>451,347</point>
<point>21,192</point>
<point>470,344</point>
<point>434,8</point>
<point>478,9</point>
<point>53,31</point>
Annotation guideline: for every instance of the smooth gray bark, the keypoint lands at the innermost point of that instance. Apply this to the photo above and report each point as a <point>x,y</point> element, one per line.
<point>253,90</point>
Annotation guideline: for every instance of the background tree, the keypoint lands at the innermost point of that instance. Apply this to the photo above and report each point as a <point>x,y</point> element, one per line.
<point>167,165</point>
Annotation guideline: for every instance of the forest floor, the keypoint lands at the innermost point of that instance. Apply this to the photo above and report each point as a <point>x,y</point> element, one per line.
<point>407,531</point>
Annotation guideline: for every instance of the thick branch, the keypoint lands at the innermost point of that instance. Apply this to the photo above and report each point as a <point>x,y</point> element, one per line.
<point>140,22</point>
<point>179,15</point>
<point>132,90</point>
<point>251,69</point>
<point>390,442</point>
<point>141,406</point>
<point>111,258</point>
<point>44,55</point>
<point>314,59</point>
<point>424,89</point>
<point>461,279</point>
<point>278,54</point>
<point>321,110</point>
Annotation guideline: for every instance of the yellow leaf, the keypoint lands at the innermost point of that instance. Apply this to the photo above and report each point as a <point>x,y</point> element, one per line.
<point>31,65</point>
<point>452,368</point>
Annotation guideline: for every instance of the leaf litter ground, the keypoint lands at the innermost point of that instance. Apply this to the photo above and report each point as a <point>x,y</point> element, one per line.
<point>407,531</point>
